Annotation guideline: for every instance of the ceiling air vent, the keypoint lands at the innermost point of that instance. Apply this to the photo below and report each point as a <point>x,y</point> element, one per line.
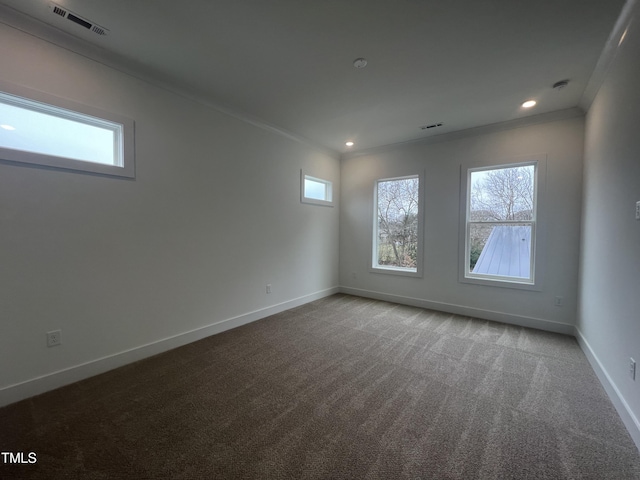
<point>59,11</point>
<point>427,127</point>
<point>78,20</point>
<point>98,30</point>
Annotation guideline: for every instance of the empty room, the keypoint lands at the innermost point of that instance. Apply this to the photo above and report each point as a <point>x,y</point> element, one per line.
<point>319,239</point>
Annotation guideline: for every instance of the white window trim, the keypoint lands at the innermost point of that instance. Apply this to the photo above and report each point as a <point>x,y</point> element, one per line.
<point>538,232</point>
<point>373,256</point>
<point>126,144</point>
<point>315,201</point>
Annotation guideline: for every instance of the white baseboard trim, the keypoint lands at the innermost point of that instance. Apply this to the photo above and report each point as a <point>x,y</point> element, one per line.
<point>626,414</point>
<point>509,318</point>
<point>35,386</point>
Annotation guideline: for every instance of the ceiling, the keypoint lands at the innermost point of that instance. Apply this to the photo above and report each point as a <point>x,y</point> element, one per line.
<point>289,63</point>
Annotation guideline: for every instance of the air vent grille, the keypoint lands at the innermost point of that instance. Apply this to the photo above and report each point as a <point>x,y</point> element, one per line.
<point>59,11</point>
<point>434,125</point>
<point>78,20</point>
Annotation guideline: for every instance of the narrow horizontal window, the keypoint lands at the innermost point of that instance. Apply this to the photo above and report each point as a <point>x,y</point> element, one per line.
<point>60,133</point>
<point>316,190</point>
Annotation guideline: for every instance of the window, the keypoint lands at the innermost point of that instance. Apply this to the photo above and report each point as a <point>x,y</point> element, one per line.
<point>45,130</point>
<point>315,190</point>
<point>397,228</point>
<point>501,209</point>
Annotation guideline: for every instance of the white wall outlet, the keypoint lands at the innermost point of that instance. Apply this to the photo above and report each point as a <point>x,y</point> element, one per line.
<point>637,210</point>
<point>54,338</point>
<point>268,288</point>
<point>558,301</point>
<point>632,369</point>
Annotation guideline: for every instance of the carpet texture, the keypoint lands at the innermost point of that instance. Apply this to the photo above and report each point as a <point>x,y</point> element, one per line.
<point>340,388</point>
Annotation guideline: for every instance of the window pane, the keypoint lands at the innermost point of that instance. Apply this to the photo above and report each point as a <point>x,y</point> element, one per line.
<point>502,194</point>
<point>26,129</point>
<point>315,189</point>
<point>500,250</point>
<point>397,229</point>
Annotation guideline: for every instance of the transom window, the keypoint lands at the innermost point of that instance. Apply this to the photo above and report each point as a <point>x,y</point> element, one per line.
<point>42,129</point>
<point>315,190</point>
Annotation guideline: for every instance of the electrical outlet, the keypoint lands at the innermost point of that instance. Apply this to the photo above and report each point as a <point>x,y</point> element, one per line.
<point>637,210</point>
<point>54,338</point>
<point>558,301</point>
<point>268,288</point>
<point>632,369</point>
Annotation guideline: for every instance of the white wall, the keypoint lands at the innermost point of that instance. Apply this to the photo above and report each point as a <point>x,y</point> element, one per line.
<point>609,305</point>
<point>213,215</point>
<point>561,140</point>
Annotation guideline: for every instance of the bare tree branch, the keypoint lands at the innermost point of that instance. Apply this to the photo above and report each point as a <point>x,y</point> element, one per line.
<point>398,222</point>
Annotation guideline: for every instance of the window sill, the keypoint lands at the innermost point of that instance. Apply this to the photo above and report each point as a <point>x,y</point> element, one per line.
<point>403,272</point>
<point>313,201</point>
<point>496,282</point>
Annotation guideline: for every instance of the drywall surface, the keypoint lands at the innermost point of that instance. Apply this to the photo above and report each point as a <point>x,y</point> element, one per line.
<point>559,227</point>
<point>212,217</point>
<point>609,301</point>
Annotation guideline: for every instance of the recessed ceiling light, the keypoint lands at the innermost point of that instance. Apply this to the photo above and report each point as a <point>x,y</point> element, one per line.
<point>360,62</point>
<point>349,144</point>
<point>528,104</point>
<point>8,127</point>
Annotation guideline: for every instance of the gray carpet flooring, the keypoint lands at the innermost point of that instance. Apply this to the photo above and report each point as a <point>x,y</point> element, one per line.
<point>344,387</point>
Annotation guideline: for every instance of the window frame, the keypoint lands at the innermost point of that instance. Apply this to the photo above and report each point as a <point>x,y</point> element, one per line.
<point>315,201</point>
<point>539,161</point>
<point>33,100</point>
<point>374,267</point>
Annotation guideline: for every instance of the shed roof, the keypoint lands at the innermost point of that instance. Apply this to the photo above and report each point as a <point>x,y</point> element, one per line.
<point>507,252</point>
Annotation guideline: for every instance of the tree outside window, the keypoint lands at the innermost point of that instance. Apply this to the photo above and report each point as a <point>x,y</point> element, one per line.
<point>501,215</point>
<point>397,215</point>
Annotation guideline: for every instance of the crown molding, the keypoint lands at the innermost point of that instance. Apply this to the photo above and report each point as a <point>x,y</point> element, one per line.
<point>43,31</point>
<point>471,132</point>
<point>608,54</point>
